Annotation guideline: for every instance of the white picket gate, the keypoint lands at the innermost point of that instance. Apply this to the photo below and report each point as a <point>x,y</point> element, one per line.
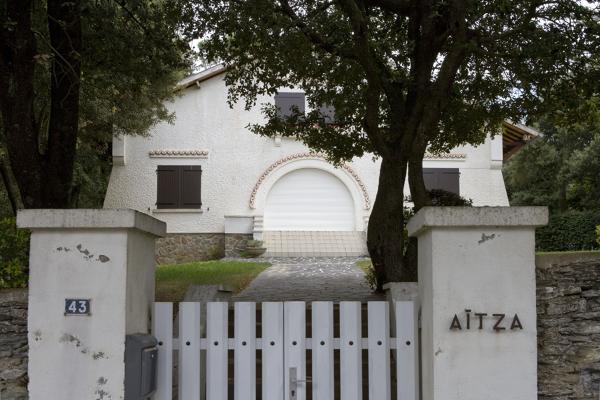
<point>283,347</point>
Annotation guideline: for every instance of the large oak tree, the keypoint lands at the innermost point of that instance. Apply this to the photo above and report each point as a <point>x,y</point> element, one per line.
<point>402,75</point>
<point>72,74</point>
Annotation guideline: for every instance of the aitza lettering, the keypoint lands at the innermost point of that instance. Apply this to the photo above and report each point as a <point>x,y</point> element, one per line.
<point>477,320</point>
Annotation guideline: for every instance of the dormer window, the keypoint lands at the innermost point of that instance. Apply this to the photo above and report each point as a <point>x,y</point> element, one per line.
<point>287,102</point>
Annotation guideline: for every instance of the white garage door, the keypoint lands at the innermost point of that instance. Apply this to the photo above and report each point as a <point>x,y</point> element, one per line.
<point>309,200</point>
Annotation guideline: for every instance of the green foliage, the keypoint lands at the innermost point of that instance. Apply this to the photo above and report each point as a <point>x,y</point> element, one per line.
<point>441,197</point>
<point>562,168</point>
<point>254,243</point>
<point>14,255</point>
<point>131,60</point>
<point>5,209</point>
<point>369,271</point>
<point>571,230</point>
<point>598,235</point>
<point>340,52</point>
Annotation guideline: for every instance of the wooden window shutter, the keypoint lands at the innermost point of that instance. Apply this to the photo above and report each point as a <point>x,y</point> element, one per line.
<point>191,177</point>
<point>447,179</point>
<point>286,101</point>
<point>167,195</point>
<point>178,186</point>
<point>430,178</point>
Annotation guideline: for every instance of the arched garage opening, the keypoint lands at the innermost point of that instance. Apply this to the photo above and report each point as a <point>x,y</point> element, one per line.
<point>309,199</point>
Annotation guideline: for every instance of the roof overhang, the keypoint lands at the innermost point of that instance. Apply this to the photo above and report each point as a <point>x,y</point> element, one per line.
<point>203,75</point>
<point>515,136</point>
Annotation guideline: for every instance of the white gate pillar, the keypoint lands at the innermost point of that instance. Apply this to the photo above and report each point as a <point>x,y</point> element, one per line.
<point>106,257</point>
<point>478,307</point>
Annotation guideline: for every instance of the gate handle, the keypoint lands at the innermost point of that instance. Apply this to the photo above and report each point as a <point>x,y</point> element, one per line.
<point>294,383</point>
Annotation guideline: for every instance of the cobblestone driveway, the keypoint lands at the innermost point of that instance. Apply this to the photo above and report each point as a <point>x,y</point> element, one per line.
<point>309,279</point>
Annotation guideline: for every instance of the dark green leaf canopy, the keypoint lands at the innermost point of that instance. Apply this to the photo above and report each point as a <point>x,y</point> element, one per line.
<point>396,71</point>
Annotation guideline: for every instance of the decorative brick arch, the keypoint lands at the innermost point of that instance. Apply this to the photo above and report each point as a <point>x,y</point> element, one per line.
<point>286,161</point>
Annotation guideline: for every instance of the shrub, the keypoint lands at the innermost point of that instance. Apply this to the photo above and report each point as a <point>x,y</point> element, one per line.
<point>441,197</point>
<point>598,235</point>
<point>571,230</point>
<point>14,254</point>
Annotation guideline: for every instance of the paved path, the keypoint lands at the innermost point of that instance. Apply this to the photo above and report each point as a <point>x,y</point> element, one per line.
<point>309,279</point>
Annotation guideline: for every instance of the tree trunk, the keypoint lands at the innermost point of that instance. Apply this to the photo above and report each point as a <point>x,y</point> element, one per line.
<point>64,24</point>
<point>385,237</point>
<point>12,190</point>
<point>17,66</point>
<point>420,199</point>
<point>416,182</point>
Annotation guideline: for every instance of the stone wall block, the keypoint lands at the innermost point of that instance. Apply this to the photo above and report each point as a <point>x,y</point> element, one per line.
<point>568,327</point>
<point>13,344</point>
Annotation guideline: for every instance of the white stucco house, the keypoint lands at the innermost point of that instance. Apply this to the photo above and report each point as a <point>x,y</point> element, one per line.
<point>214,182</point>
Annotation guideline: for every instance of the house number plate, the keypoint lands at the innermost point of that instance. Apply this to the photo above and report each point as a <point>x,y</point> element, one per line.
<point>77,307</point>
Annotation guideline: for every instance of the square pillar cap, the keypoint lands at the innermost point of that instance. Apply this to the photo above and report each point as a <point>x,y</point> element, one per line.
<point>430,217</point>
<point>90,219</point>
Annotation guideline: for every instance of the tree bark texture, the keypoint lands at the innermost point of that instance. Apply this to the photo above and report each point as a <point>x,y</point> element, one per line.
<point>64,24</point>
<point>420,198</point>
<point>385,237</point>
<point>12,190</point>
<point>44,180</point>
<point>17,66</point>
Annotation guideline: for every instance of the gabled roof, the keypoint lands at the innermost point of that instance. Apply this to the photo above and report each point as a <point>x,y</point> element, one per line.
<point>201,76</point>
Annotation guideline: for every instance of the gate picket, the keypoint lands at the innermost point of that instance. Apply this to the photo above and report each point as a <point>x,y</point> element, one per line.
<point>350,351</point>
<point>295,347</point>
<point>283,346</point>
<point>216,354</point>
<point>407,356</point>
<point>379,351</point>
<point>322,350</point>
<point>162,329</point>
<point>244,373</point>
<point>189,351</point>
<point>272,351</point>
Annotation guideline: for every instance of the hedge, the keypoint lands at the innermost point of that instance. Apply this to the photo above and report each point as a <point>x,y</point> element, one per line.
<point>14,255</point>
<point>571,230</point>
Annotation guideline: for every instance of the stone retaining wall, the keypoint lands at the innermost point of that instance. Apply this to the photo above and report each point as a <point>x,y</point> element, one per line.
<point>233,243</point>
<point>568,288</point>
<point>187,247</point>
<point>13,344</point>
<point>568,302</point>
<point>183,247</point>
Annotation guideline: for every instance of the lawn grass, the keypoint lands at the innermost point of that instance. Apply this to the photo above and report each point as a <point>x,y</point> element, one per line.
<point>544,253</point>
<point>367,268</point>
<point>365,265</point>
<point>173,280</point>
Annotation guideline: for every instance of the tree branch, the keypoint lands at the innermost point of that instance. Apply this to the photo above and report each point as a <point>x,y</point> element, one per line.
<point>315,38</point>
<point>400,7</point>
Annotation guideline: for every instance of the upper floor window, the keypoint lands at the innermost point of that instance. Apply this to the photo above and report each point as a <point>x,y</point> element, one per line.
<point>287,102</point>
<point>442,178</point>
<point>178,186</point>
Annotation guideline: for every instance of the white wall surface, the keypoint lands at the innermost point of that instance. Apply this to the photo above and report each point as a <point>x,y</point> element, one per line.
<point>237,158</point>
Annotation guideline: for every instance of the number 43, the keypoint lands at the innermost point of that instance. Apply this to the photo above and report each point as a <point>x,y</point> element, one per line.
<point>78,307</point>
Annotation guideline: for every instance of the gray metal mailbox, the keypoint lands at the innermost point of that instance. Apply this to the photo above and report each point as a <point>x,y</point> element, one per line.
<point>141,355</point>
